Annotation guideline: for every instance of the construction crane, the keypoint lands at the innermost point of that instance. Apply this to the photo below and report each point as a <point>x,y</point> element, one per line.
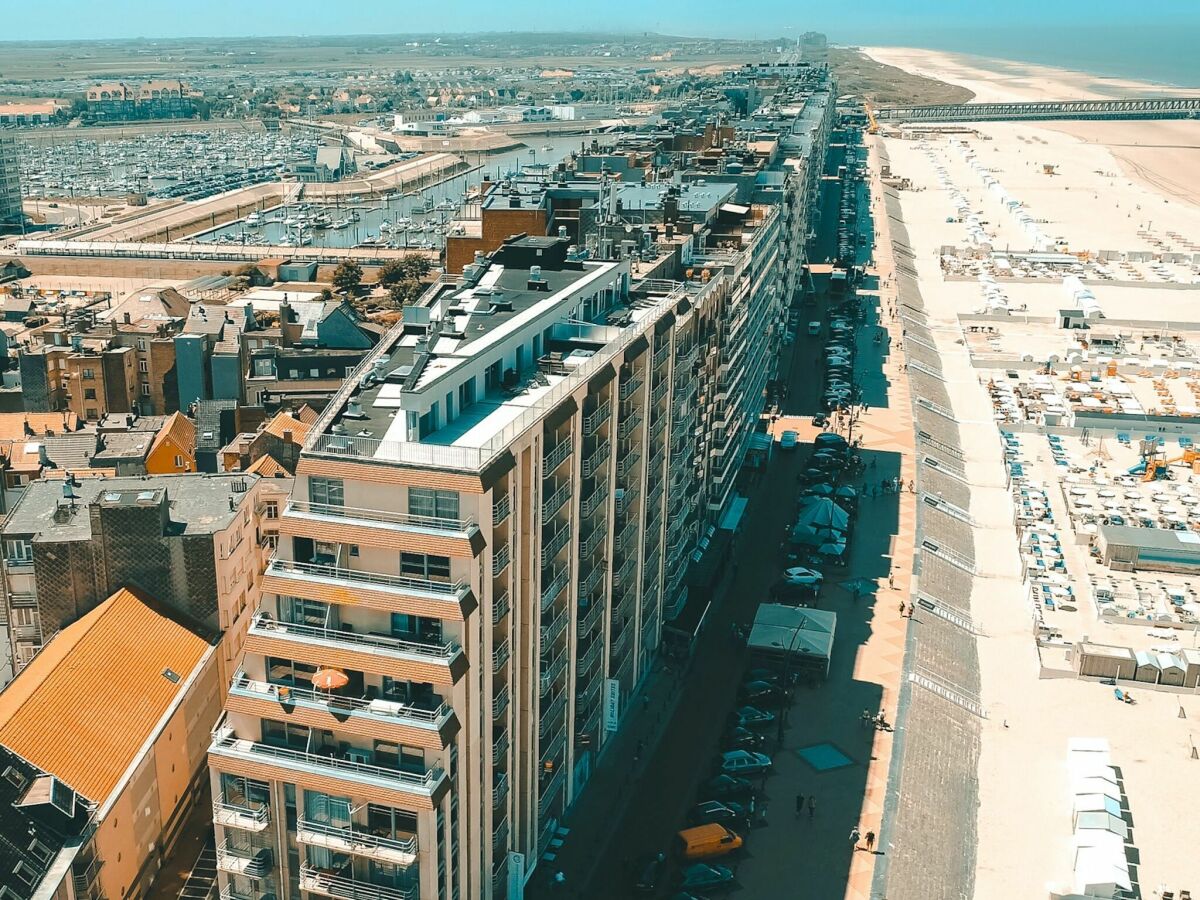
<point>872,122</point>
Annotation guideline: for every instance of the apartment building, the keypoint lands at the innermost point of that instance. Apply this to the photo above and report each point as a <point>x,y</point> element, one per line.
<point>10,184</point>
<point>193,542</point>
<point>102,741</point>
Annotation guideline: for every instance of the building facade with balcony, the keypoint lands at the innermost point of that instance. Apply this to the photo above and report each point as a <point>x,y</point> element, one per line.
<point>485,527</point>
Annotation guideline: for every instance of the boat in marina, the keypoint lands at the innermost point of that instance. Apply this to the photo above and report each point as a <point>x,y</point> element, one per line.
<point>254,220</point>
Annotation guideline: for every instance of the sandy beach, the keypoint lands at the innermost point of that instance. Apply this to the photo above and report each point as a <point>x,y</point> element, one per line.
<point>1161,156</point>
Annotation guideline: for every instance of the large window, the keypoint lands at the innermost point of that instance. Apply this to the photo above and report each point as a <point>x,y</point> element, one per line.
<point>422,565</point>
<point>293,674</point>
<point>18,552</point>
<point>433,504</point>
<point>281,734</point>
<point>329,491</point>
<point>299,611</point>
<point>327,810</point>
<point>245,792</point>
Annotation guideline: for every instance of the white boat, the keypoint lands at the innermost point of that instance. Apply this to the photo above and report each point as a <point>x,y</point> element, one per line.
<point>291,222</point>
<point>547,148</point>
<point>341,223</point>
<point>385,226</point>
<point>446,206</point>
<point>254,220</point>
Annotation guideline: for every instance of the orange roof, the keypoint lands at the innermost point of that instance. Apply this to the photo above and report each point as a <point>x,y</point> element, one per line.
<point>286,422</point>
<point>180,429</point>
<point>12,425</point>
<point>307,415</point>
<point>268,467</point>
<point>85,706</point>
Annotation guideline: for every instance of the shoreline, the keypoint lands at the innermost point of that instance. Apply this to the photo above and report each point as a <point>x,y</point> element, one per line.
<point>1161,156</point>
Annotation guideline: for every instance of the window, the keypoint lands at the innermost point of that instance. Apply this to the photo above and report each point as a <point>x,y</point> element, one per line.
<point>88,374</point>
<point>145,389</point>
<point>433,504</point>
<point>284,671</point>
<point>422,565</point>
<point>91,413</point>
<point>18,551</point>
<point>270,540</point>
<point>287,735</point>
<point>143,366</point>
<point>466,394</point>
<point>141,344</point>
<point>89,393</point>
<point>179,462</point>
<point>271,510</point>
<point>326,491</point>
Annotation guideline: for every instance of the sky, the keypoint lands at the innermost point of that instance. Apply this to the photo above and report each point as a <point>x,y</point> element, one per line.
<point>852,21</point>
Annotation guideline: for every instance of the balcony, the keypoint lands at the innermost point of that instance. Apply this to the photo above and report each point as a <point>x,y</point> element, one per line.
<point>551,547</point>
<point>501,509</point>
<point>587,618</point>
<point>659,392</point>
<point>626,572</point>
<point>551,671</point>
<point>374,526</point>
<point>630,423</point>
<point>596,460</point>
<point>317,581</point>
<point>500,703</point>
<point>499,790</point>
<point>595,497</point>
<point>628,462</point>
<point>556,495</point>
<point>628,388</point>
<point>247,818</point>
<point>550,790</point>
<point>592,541</point>
<point>229,892</point>
<point>554,457</point>
<point>593,421</point>
<point>500,657</point>
<point>550,633</point>
<point>501,559</point>
<point>253,862</point>
<point>419,789</point>
<point>399,851</point>
<point>500,749</point>
<point>590,583</point>
<point>340,887</point>
<point>500,836</point>
<point>500,608</point>
<point>551,717</point>
<point>555,587</point>
<point>440,662</point>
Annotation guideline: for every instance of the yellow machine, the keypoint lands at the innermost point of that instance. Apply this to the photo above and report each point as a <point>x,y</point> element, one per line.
<point>872,122</point>
<point>1157,468</point>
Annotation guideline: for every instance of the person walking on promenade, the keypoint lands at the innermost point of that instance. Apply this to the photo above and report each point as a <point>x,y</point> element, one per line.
<point>892,582</point>
<point>854,838</point>
<point>902,609</point>
<point>799,805</point>
<point>866,718</point>
<point>812,807</point>
<point>870,842</point>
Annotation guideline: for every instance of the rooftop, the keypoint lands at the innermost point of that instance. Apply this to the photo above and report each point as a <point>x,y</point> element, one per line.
<point>199,504</point>
<point>105,681</point>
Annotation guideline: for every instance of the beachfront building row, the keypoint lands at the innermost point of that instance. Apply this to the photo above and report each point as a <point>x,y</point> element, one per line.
<point>484,531</point>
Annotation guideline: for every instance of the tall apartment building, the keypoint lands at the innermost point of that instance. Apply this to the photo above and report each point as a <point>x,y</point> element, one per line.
<point>10,184</point>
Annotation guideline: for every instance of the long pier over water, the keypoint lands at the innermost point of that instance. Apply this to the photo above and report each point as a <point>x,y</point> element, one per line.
<point>1129,108</point>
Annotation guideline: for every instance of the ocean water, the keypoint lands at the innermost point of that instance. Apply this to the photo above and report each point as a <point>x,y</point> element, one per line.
<point>1154,52</point>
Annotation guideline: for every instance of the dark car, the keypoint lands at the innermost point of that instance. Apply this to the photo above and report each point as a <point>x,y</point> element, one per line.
<point>819,420</point>
<point>649,873</point>
<point>721,813</point>
<point>829,439</point>
<point>743,762</point>
<point>723,787</point>
<point>706,876</point>
<point>743,739</point>
<point>752,717</point>
<point>760,693</point>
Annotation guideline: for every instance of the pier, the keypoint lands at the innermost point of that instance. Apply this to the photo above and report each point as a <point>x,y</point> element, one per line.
<point>1130,108</point>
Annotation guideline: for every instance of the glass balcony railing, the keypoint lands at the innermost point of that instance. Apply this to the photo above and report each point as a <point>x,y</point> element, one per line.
<point>400,584</point>
<point>398,850</point>
<point>317,881</point>
<point>378,517</point>
<point>442,651</point>
<point>246,817</point>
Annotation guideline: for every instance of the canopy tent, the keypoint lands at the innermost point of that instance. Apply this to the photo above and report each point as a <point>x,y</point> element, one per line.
<point>800,638</point>
<point>824,513</point>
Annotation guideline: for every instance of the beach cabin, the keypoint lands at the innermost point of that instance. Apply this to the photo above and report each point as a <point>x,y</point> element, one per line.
<point>1103,661</point>
<point>1147,667</point>
<point>1191,666</point>
<point>1172,668</point>
<point>1101,872</point>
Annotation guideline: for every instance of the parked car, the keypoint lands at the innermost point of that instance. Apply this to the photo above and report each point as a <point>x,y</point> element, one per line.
<point>819,420</point>
<point>743,739</point>
<point>789,440</point>
<point>724,787</point>
<point>814,328</point>
<point>829,439</point>
<point>761,693</point>
<point>744,762</point>
<point>706,876</point>
<point>649,873</point>
<point>723,813</point>
<point>752,717</point>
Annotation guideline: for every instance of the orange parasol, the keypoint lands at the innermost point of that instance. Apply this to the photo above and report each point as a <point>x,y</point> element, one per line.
<point>330,679</point>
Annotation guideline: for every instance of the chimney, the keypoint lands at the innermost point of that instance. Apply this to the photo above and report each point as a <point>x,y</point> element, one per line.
<point>287,436</point>
<point>128,318</point>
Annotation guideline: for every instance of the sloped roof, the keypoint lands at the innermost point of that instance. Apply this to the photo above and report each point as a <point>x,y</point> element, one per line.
<point>268,467</point>
<point>12,425</point>
<point>178,428</point>
<point>71,451</point>
<point>286,422</point>
<point>85,706</point>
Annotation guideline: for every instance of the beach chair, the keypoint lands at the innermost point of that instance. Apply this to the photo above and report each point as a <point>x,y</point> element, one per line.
<point>1119,694</point>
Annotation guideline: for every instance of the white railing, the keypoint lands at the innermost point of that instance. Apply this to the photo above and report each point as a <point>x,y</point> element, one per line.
<point>248,818</point>
<point>551,547</point>
<point>403,583</point>
<point>628,388</point>
<point>371,516</point>
<point>594,420</point>
<point>551,591</point>
<point>501,509</point>
<point>554,457</point>
<point>554,502</point>
<point>501,560</point>
<point>266,625</point>
<point>318,882</point>
<point>500,607</point>
<point>499,789</point>
<point>378,708</point>
<point>500,656</point>
<point>596,459</point>
<point>347,839</point>
<point>550,633</point>
<point>500,703</point>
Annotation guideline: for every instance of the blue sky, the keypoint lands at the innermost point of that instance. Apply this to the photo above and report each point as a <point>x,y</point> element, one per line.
<point>864,21</point>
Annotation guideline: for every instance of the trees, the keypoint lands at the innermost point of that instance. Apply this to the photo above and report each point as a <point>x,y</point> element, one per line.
<point>409,268</point>
<point>404,292</point>
<point>347,276</point>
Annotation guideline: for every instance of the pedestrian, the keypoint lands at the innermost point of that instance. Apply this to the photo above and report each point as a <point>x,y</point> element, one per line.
<point>762,813</point>
<point>911,489</point>
<point>812,806</point>
<point>854,837</point>
<point>645,702</point>
<point>870,841</point>
<point>866,717</point>
<point>892,583</point>
<point>799,805</point>
<point>560,880</point>
<point>902,609</point>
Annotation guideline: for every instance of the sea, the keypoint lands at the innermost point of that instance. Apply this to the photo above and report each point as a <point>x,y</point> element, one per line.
<point>1156,53</point>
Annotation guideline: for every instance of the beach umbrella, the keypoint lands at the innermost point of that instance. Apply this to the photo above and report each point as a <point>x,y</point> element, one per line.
<point>846,492</point>
<point>825,513</point>
<point>832,548</point>
<point>815,492</point>
<point>330,679</point>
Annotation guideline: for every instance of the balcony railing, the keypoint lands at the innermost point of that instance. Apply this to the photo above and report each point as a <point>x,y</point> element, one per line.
<point>551,632</point>
<point>627,570</point>
<point>628,463</point>
<point>316,881</point>
<point>551,547</point>
<point>596,460</point>
<point>659,391</point>
<point>266,625</point>
<point>555,498</point>
<point>501,559</point>
<point>500,607</point>
<point>630,423</point>
<point>500,790</point>
<point>555,587</point>
<point>662,353</point>
<point>253,862</point>
<point>398,850</point>
<point>593,540</point>
<point>500,657</point>
<point>552,716</point>
<point>500,703</point>
<point>593,421</point>
<point>550,790</point>
<point>226,743</point>
<point>404,584</point>
<point>595,497</point>
<point>500,749</point>
<point>247,818</point>
<point>629,387</point>
<point>554,457</point>
<point>379,516</point>
<point>501,509</point>
<point>229,892</point>
<point>551,671</point>
<point>590,583</point>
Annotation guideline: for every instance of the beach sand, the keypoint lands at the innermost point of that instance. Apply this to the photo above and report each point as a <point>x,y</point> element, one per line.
<point>1161,156</point>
